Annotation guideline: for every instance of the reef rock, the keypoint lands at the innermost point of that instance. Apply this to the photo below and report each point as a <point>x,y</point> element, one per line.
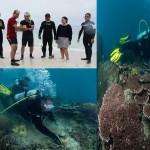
<point>5,141</point>
<point>5,123</point>
<point>21,130</point>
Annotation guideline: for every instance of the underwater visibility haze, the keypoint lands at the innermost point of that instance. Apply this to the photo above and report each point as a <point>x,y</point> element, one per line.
<point>124,74</point>
<point>36,121</point>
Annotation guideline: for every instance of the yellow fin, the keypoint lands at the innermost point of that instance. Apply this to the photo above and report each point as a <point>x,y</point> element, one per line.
<point>115,51</point>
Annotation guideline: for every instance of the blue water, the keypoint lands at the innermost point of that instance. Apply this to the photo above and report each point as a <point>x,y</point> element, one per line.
<point>65,85</point>
<point>119,18</point>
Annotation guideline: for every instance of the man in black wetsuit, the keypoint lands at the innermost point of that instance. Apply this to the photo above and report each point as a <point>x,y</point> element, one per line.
<point>48,28</point>
<point>37,110</point>
<point>88,38</point>
<point>27,36</point>
<point>2,26</point>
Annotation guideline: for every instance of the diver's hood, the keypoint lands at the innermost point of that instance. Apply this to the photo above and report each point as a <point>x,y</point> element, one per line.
<point>48,107</point>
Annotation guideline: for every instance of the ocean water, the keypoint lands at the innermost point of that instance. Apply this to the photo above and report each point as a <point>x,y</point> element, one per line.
<point>124,85</point>
<point>69,85</point>
<point>74,98</point>
<point>37,42</point>
<point>117,19</point>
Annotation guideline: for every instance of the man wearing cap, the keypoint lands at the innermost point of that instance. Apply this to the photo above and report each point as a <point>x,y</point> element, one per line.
<point>2,27</point>
<point>12,28</point>
<point>48,28</point>
<point>27,36</point>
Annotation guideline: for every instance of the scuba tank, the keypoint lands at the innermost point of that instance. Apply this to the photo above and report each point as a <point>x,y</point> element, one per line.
<point>144,33</point>
<point>20,96</point>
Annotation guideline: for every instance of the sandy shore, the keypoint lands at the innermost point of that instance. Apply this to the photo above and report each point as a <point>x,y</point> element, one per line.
<point>38,62</point>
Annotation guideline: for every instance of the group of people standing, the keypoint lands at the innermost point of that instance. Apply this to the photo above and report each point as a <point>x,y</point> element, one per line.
<point>62,36</point>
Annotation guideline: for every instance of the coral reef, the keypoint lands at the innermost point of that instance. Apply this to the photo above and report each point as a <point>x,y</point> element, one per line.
<point>134,72</point>
<point>5,141</point>
<point>108,74</point>
<point>21,130</point>
<point>141,98</point>
<point>124,117</point>
<point>15,130</point>
<point>120,123</point>
<point>89,111</point>
<point>146,110</point>
<point>75,134</point>
<point>78,112</point>
<point>147,77</point>
<point>5,123</point>
<point>133,84</point>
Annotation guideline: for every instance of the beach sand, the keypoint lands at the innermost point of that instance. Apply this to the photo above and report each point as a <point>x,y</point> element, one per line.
<point>38,62</point>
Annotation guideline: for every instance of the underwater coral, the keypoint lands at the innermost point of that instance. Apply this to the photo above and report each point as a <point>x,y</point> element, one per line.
<point>124,117</point>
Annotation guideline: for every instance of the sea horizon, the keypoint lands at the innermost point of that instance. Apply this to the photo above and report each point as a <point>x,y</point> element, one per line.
<point>38,43</point>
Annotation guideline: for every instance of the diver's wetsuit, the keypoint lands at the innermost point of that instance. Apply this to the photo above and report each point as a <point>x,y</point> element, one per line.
<point>89,33</point>
<point>145,47</point>
<point>49,29</point>
<point>139,47</point>
<point>35,112</point>
<point>1,37</point>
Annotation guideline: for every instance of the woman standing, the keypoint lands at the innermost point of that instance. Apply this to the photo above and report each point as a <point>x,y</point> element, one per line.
<point>64,37</point>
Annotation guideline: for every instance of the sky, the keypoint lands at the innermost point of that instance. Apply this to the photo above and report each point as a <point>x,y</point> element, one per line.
<point>73,9</point>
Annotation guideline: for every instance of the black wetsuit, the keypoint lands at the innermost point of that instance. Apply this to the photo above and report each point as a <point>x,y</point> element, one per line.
<point>140,48</point>
<point>89,33</point>
<point>144,47</point>
<point>32,109</point>
<point>1,37</point>
<point>49,29</point>
<point>27,36</point>
<point>36,114</point>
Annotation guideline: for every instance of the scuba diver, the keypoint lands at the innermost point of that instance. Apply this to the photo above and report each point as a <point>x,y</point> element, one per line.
<point>31,105</point>
<point>37,110</point>
<point>19,86</point>
<point>140,47</point>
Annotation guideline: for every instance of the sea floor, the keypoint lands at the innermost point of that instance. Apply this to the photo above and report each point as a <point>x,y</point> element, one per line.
<point>76,134</point>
